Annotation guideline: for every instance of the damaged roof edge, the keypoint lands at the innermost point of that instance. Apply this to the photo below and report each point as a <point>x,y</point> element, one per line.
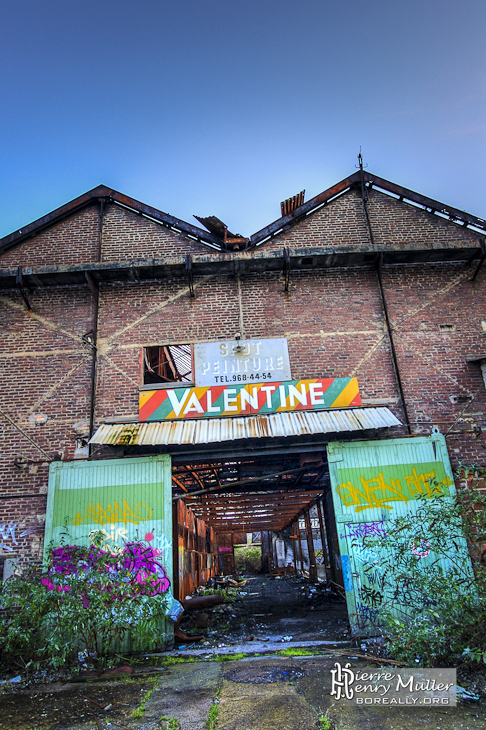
<point>102,192</point>
<point>433,206</point>
<point>217,430</point>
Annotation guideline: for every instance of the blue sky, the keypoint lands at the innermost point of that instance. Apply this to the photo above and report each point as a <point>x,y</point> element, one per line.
<point>226,108</point>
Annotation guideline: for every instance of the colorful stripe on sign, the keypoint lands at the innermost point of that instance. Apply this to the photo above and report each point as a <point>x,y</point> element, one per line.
<point>248,399</point>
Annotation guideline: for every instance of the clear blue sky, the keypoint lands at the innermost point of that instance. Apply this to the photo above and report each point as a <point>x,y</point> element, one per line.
<point>226,108</point>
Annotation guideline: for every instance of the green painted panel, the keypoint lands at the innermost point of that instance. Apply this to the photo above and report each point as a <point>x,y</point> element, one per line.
<point>369,487</point>
<point>127,500</point>
<point>372,483</point>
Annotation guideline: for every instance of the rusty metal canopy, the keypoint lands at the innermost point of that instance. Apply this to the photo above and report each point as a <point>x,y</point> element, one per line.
<point>252,511</point>
<point>217,430</point>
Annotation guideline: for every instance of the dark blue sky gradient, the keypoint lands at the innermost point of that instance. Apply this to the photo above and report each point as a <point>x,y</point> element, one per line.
<point>227,108</point>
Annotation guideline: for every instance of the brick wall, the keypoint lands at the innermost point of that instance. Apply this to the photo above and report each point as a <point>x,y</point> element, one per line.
<point>73,241</point>
<point>45,369</point>
<point>128,236</point>
<point>333,320</point>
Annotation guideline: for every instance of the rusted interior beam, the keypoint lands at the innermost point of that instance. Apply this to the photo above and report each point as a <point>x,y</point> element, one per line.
<point>230,485</point>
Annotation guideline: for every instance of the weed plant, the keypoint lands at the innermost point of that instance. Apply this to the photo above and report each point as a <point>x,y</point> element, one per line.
<point>434,607</point>
<point>96,607</point>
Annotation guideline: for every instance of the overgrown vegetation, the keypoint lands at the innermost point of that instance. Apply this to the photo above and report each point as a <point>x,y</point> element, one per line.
<point>434,599</point>
<point>139,711</point>
<point>169,723</point>
<point>86,600</point>
<point>297,652</point>
<point>229,657</point>
<point>213,716</point>
<point>248,558</point>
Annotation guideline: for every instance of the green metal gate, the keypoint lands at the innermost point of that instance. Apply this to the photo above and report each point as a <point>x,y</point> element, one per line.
<point>127,500</point>
<point>374,482</point>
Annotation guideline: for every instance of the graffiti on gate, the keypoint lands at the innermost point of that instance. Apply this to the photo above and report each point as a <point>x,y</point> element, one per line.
<point>359,530</point>
<point>380,487</point>
<point>114,513</point>
<point>364,554</point>
<point>367,616</point>
<point>421,549</point>
<point>137,565</point>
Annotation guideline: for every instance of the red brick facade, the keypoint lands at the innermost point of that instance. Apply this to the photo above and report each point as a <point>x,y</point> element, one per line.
<point>333,319</point>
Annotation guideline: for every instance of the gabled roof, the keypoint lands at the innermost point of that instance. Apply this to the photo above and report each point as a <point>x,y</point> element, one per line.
<point>360,179</point>
<point>369,180</point>
<point>103,193</point>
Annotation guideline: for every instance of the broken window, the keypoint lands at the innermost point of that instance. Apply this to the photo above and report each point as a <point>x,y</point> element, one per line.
<point>167,364</point>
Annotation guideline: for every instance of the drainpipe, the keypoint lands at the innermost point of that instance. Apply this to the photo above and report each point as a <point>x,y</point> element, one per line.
<point>378,268</point>
<point>94,358</point>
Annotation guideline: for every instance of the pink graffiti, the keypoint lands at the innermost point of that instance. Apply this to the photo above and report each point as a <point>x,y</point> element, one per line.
<point>136,562</point>
<point>141,564</point>
<point>422,549</point>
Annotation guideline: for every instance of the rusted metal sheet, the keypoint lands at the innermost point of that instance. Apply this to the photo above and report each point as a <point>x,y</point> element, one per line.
<point>290,204</point>
<point>218,430</point>
<point>197,551</point>
<point>374,483</point>
<point>320,199</point>
<point>122,500</point>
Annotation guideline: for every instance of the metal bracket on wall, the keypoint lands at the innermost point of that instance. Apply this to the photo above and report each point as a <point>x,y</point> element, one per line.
<point>189,274</point>
<point>481,260</point>
<point>19,279</point>
<point>286,269</point>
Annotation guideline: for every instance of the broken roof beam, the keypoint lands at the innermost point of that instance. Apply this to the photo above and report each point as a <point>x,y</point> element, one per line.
<point>302,210</point>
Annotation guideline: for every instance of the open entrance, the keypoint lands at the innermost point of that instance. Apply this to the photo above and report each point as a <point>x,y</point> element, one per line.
<point>262,528</point>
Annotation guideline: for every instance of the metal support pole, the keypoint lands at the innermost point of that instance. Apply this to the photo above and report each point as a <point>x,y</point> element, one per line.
<point>325,550</point>
<point>310,548</point>
<point>300,548</point>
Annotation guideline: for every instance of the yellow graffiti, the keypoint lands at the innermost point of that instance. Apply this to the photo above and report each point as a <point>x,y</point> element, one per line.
<point>114,513</point>
<point>376,492</point>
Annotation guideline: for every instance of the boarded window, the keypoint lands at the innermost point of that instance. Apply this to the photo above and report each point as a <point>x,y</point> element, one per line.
<point>167,364</point>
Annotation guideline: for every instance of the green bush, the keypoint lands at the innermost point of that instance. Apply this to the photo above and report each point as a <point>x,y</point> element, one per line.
<point>94,603</point>
<point>248,559</point>
<point>444,623</point>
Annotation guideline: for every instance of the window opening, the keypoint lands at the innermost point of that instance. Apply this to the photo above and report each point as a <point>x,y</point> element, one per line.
<point>167,364</point>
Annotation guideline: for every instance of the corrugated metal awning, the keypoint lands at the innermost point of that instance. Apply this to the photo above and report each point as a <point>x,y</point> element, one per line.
<point>217,430</point>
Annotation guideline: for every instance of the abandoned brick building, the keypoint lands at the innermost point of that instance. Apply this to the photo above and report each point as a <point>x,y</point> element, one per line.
<point>188,386</point>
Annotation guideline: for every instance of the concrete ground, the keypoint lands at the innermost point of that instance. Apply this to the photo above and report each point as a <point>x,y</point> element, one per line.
<point>271,692</point>
<point>229,682</point>
<point>273,608</point>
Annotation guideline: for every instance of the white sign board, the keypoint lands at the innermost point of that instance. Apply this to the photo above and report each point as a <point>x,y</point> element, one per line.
<point>241,361</point>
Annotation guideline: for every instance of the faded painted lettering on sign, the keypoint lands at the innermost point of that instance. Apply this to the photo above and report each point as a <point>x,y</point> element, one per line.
<point>370,488</point>
<point>216,363</point>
